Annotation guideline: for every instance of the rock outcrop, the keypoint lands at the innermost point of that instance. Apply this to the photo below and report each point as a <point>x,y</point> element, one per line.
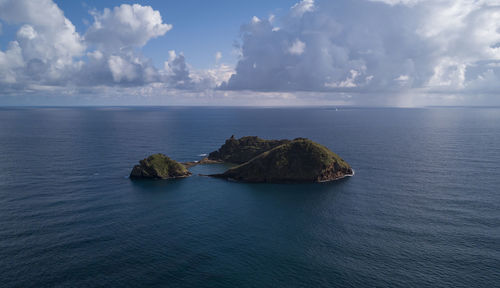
<point>241,150</point>
<point>159,166</point>
<point>300,160</point>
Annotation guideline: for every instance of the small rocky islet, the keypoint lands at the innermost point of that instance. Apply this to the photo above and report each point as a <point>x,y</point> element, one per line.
<point>257,160</point>
<point>159,166</point>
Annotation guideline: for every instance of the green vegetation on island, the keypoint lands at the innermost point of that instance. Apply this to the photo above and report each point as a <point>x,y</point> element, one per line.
<point>300,160</point>
<point>239,151</point>
<point>159,166</point>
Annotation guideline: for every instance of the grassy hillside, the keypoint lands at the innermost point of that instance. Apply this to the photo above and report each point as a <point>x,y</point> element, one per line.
<point>298,160</point>
<point>241,150</point>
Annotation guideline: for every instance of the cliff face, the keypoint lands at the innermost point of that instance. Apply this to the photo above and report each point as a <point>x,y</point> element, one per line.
<point>300,160</point>
<point>159,166</point>
<point>241,150</point>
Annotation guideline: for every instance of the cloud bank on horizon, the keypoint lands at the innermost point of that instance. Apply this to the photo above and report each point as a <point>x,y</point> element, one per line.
<point>361,52</point>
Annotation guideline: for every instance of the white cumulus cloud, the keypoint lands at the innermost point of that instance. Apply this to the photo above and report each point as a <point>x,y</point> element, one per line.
<point>302,7</point>
<point>46,44</point>
<point>379,46</point>
<point>48,51</point>
<point>297,47</point>
<point>126,26</point>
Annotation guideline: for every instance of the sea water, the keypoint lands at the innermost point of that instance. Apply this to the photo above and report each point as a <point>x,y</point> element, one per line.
<point>423,209</point>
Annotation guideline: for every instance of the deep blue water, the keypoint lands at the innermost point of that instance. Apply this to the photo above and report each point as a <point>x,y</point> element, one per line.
<point>422,211</point>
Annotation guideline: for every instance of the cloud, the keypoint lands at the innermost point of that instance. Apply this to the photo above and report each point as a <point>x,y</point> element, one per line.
<point>116,34</point>
<point>213,77</point>
<point>399,2</point>
<point>349,82</point>
<point>303,55</point>
<point>46,43</point>
<point>176,71</point>
<point>27,32</point>
<point>297,47</point>
<point>48,52</point>
<point>380,46</point>
<point>302,7</point>
<point>125,26</point>
<point>218,56</point>
<point>10,61</point>
<point>255,19</point>
<point>178,74</point>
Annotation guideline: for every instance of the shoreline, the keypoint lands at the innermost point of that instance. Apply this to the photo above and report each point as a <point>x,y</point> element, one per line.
<point>343,176</point>
<point>205,160</point>
<point>221,176</point>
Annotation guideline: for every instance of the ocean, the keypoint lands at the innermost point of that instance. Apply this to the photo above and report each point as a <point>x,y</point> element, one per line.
<point>423,209</point>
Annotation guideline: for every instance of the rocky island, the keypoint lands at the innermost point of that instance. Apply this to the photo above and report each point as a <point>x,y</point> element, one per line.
<point>159,166</point>
<point>258,160</point>
<point>300,160</point>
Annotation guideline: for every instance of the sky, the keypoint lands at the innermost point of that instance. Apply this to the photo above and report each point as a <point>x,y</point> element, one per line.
<point>397,53</point>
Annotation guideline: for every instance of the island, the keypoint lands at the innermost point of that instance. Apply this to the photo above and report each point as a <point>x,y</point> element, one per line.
<point>300,160</point>
<point>159,166</point>
<point>256,160</point>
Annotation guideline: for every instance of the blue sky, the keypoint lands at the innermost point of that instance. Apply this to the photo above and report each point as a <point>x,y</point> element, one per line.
<point>289,53</point>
